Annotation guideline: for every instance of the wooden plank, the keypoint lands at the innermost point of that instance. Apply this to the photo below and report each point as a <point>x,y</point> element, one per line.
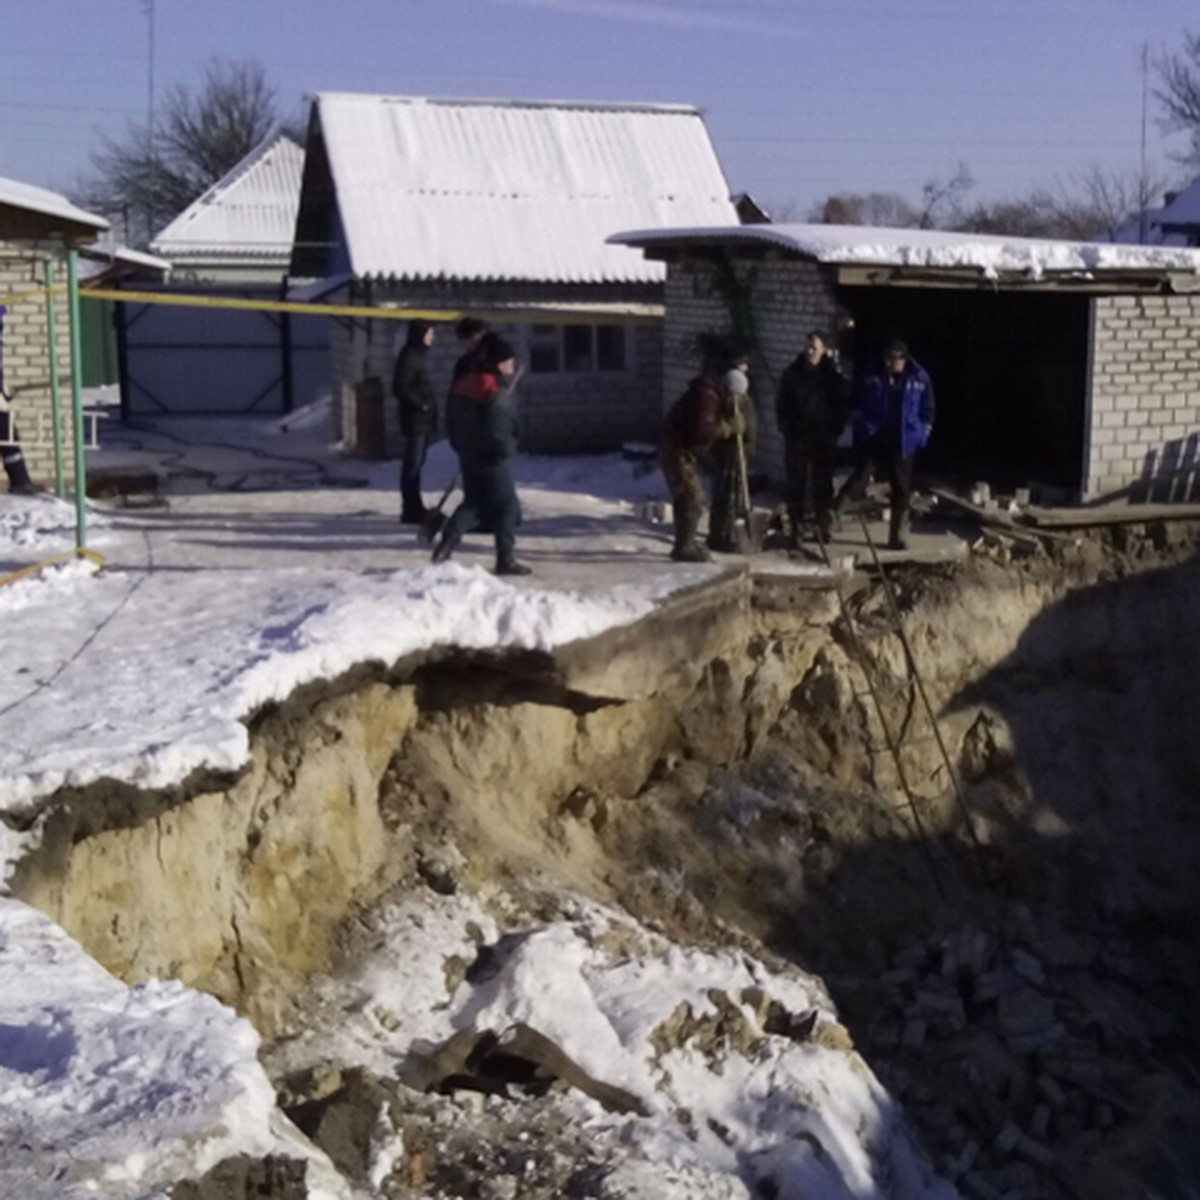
<point>1110,514</point>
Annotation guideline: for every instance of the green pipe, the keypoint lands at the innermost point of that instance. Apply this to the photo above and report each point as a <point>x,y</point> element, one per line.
<point>77,399</point>
<point>60,487</point>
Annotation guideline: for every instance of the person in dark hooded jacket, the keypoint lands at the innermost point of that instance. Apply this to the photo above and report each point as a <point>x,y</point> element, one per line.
<point>418,416</point>
<point>481,424</point>
<point>811,409</point>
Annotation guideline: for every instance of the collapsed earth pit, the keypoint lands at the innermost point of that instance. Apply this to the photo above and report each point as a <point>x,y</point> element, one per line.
<point>1012,947</point>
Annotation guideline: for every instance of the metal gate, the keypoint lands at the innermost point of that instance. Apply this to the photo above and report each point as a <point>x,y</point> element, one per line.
<point>211,361</point>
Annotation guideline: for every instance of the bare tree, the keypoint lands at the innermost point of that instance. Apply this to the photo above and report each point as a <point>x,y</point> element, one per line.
<point>150,175</point>
<point>1179,94</point>
<point>941,200</point>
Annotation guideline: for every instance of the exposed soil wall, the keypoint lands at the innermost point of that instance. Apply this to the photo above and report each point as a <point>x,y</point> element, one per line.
<point>722,771</point>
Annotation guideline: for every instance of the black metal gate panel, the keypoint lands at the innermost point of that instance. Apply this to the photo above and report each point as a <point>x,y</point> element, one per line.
<point>217,361</point>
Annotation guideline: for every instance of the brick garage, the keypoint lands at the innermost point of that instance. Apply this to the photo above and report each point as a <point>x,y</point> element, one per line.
<point>36,227</point>
<point>1071,367</point>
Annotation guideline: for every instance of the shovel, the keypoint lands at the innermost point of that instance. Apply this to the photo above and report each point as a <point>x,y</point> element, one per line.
<point>748,530</point>
<point>435,519</point>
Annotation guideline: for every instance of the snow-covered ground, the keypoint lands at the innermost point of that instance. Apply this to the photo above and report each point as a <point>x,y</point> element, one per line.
<point>275,561</point>
<point>806,1115</point>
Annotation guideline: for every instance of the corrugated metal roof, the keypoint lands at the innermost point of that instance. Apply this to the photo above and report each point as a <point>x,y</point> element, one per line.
<point>248,215</point>
<point>39,200</point>
<point>514,190</point>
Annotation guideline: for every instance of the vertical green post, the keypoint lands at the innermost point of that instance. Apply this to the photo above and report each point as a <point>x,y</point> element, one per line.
<point>77,399</point>
<point>60,488</point>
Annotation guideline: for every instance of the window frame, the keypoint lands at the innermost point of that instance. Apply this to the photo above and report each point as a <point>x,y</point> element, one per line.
<point>538,339</point>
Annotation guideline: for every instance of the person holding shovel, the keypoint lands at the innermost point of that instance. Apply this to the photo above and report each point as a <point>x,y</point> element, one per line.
<point>702,417</point>
<point>481,423</point>
<point>730,485</point>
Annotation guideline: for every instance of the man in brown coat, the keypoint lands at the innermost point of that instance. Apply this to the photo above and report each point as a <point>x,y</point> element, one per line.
<point>702,417</point>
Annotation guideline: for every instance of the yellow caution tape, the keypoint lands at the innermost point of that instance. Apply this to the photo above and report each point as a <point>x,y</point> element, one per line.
<point>34,568</point>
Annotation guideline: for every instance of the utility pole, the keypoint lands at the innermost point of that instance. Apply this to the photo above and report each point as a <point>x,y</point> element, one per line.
<point>151,150</point>
<point>1143,199</point>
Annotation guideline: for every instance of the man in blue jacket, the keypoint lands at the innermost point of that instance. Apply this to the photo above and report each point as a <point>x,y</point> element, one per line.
<point>893,419</point>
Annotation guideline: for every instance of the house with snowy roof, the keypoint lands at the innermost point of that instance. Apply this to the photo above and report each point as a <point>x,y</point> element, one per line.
<point>240,229</point>
<point>1073,367</point>
<point>1180,216</point>
<point>503,208</point>
<point>37,229</point>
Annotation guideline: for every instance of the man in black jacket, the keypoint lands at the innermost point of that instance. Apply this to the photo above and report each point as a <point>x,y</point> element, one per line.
<point>418,416</point>
<point>482,427</point>
<point>811,408</point>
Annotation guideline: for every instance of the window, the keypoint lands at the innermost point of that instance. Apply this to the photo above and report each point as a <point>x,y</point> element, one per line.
<point>558,349</point>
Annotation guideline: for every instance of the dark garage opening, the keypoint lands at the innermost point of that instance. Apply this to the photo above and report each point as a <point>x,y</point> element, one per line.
<point>1009,371</point>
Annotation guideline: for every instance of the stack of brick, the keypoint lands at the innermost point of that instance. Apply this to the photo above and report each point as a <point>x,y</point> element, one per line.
<point>1014,1052</point>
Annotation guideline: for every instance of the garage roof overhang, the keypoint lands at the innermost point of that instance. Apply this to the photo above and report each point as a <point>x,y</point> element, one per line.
<point>858,256</point>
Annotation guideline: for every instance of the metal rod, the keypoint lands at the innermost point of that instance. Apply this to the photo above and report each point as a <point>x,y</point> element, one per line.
<point>60,485</point>
<point>910,659</point>
<point>77,399</point>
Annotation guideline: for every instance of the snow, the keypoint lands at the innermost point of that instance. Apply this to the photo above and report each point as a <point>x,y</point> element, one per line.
<point>814,1118</point>
<point>252,582</point>
<point>201,616</point>
<point>991,255</point>
<point>111,1088</point>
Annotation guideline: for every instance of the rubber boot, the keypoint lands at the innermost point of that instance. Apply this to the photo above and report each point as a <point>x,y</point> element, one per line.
<point>509,566</point>
<point>898,529</point>
<point>687,549</point>
<point>19,483</point>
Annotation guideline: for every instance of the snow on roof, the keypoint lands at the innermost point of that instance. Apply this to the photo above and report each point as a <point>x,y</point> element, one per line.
<point>925,249</point>
<point>103,255</point>
<point>1184,209</point>
<point>514,190</point>
<point>249,214</point>
<point>51,204</point>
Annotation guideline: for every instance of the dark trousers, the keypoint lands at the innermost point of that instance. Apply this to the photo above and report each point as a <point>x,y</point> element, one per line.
<point>809,461</point>
<point>416,447</point>
<point>881,453</point>
<point>10,453</point>
<point>489,500</point>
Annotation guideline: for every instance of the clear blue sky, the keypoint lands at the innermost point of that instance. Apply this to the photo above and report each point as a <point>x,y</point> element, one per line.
<point>802,97</point>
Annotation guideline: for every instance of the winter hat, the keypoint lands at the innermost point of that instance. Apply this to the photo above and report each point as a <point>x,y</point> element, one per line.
<point>735,382</point>
<point>494,350</point>
<point>896,346</point>
<point>469,327</point>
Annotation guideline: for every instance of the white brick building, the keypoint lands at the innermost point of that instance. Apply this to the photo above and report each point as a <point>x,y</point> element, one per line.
<point>38,227</point>
<point>502,209</point>
<point>1071,365</point>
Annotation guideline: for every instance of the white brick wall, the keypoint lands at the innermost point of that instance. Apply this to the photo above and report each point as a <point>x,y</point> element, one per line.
<point>27,352</point>
<point>1144,411</point>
